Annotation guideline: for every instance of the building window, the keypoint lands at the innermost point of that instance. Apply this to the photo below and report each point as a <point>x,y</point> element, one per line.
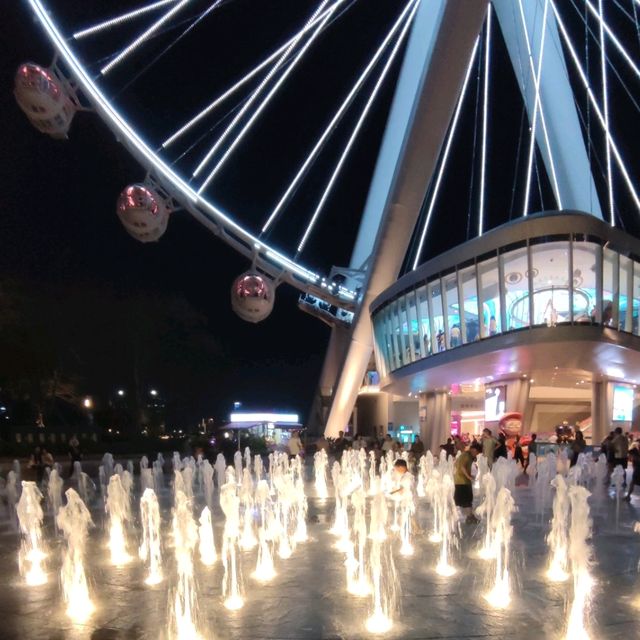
<point>584,281</point>
<point>425,326</point>
<point>490,294</point>
<point>414,327</point>
<point>610,288</point>
<point>470,304</point>
<point>551,288</point>
<point>454,339</point>
<point>626,301</point>
<point>404,330</point>
<point>435,295</point>
<point>516,283</point>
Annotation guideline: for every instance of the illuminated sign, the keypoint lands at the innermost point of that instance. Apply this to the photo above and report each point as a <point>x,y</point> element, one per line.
<point>291,418</point>
<point>494,403</point>
<point>622,403</point>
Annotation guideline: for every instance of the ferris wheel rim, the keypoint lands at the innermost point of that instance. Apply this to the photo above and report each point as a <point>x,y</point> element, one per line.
<point>268,258</point>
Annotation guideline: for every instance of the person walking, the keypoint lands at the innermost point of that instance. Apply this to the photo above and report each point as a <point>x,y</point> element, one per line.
<point>417,448</point>
<point>518,454</point>
<point>577,447</point>
<point>489,444</point>
<point>295,445</point>
<point>620,446</point>
<point>501,449</point>
<point>462,479</point>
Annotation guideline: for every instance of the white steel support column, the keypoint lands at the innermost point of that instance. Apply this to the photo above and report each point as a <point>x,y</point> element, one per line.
<point>573,172</point>
<point>430,82</point>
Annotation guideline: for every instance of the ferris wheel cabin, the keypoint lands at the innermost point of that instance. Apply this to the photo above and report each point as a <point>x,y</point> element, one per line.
<point>44,99</point>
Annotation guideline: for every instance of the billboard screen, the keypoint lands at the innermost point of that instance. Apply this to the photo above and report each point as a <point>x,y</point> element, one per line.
<point>495,401</point>
<point>622,403</point>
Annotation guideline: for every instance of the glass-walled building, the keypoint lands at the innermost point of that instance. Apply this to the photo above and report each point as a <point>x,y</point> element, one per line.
<point>535,279</point>
<point>546,306</point>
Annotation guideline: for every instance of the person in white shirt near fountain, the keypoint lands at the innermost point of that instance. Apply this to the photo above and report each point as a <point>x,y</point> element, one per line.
<point>295,444</point>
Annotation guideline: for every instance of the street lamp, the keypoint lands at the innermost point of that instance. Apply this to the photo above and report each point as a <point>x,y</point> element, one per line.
<point>153,392</point>
<point>88,403</point>
<point>121,392</point>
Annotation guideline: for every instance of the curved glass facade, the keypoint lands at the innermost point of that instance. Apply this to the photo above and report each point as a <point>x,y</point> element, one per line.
<point>549,280</point>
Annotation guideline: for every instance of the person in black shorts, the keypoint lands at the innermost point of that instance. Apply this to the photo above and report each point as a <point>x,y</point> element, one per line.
<point>462,478</point>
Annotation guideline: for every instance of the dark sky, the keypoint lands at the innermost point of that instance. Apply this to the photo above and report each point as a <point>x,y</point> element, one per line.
<point>59,228</point>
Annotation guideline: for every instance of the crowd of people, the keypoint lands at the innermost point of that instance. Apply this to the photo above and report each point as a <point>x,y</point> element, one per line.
<point>379,445</point>
<point>619,448</point>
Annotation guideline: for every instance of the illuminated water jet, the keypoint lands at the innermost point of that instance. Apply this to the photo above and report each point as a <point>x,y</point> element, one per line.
<point>320,463</point>
<point>558,538</point>
<point>499,596</point>
<point>119,510</point>
<point>32,554</point>
<point>74,521</point>
<point>580,555</point>
<point>231,582</point>
<point>150,549</point>
<point>183,611</point>
<point>207,547</point>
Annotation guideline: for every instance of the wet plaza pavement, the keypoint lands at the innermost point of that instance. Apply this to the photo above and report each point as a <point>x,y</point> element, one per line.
<point>308,600</point>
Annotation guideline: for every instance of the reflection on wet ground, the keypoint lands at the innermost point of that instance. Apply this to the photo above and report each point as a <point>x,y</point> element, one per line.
<point>308,598</point>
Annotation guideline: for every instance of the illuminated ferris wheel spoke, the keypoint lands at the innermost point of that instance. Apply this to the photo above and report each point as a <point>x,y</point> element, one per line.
<point>538,102</point>
<point>612,36</point>
<point>265,81</point>
<point>445,156</point>
<point>335,120</point>
<point>485,109</point>
<point>605,100</point>
<point>358,127</point>
<point>269,96</point>
<point>594,103</point>
<point>240,83</point>
<point>536,108</point>
<point>121,19</point>
<point>144,36</point>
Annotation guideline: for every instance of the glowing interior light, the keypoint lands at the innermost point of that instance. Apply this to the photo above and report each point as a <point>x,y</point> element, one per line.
<point>536,80</point>
<point>445,155</point>
<point>536,104</point>
<point>361,119</point>
<point>256,94</point>
<point>336,118</point>
<point>143,37</point>
<point>596,108</point>
<point>118,20</point>
<point>485,108</point>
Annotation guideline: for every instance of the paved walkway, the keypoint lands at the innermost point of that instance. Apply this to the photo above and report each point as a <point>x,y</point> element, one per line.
<point>308,600</point>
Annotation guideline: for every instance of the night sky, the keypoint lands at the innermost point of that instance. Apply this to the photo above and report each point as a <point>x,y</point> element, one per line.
<point>60,233</point>
<point>64,248</point>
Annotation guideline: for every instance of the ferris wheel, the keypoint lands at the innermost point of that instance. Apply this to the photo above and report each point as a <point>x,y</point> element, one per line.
<point>292,99</point>
<point>121,66</point>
